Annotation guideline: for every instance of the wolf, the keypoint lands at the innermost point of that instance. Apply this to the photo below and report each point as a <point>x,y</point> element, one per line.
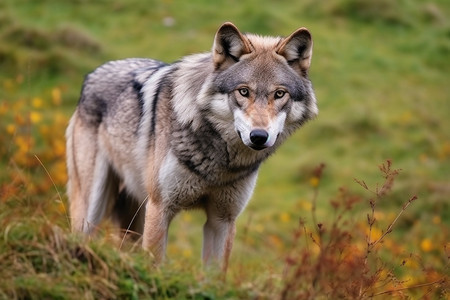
<point>149,139</point>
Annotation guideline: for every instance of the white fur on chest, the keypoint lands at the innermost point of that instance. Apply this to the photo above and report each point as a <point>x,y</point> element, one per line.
<point>178,185</point>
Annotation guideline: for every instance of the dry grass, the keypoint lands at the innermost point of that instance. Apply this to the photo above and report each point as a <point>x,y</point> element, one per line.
<point>336,259</point>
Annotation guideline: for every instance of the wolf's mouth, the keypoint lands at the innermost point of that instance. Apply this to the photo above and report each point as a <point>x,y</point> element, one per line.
<point>257,147</point>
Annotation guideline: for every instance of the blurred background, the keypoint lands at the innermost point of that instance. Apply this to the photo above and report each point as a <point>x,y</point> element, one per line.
<point>380,70</point>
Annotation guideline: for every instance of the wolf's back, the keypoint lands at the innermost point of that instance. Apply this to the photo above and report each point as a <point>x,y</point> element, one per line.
<point>106,84</point>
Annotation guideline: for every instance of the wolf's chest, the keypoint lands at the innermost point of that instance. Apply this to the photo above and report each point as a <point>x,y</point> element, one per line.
<point>178,185</point>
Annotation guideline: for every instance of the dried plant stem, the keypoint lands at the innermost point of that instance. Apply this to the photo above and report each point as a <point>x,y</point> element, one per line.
<point>371,221</point>
<point>389,176</point>
<point>313,211</point>
<point>318,172</point>
<point>131,222</point>
<point>56,188</point>
<point>439,281</point>
<point>391,225</point>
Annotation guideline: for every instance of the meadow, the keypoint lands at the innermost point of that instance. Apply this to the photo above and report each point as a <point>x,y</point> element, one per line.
<point>355,205</point>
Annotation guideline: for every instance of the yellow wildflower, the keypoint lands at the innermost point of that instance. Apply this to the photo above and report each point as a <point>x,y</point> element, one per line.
<point>304,205</point>
<point>24,144</point>
<point>35,117</point>
<point>426,245</point>
<point>411,263</point>
<point>406,117</point>
<point>3,109</point>
<point>61,207</point>
<point>37,102</point>
<point>59,147</point>
<point>314,181</point>
<point>44,130</point>
<point>409,280</point>
<point>375,233</point>
<point>60,119</point>
<point>379,215</point>
<point>436,220</point>
<point>10,128</point>
<point>22,157</point>
<point>20,120</point>
<point>56,96</point>
<point>275,241</point>
<point>173,249</point>
<point>58,173</point>
<point>259,228</point>
<point>187,253</point>
<point>285,217</point>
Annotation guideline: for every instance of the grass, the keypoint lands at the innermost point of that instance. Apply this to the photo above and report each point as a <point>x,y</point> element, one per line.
<point>380,70</point>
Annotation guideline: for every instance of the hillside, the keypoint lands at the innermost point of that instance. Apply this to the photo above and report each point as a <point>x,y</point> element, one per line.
<point>380,72</point>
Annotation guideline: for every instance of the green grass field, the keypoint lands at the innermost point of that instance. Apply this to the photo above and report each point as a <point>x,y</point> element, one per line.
<point>381,75</point>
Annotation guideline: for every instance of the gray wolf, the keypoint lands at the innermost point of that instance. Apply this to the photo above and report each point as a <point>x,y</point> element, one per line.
<point>150,139</point>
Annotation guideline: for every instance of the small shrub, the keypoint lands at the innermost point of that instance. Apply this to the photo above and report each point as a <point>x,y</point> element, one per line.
<point>338,260</point>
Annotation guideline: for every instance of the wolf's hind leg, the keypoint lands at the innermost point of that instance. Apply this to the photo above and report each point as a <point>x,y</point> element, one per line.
<point>103,193</point>
<point>81,151</point>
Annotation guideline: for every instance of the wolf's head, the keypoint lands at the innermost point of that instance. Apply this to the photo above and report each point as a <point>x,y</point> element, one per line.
<point>266,83</point>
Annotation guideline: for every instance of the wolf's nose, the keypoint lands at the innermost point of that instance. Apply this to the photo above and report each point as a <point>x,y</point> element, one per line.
<point>259,137</point>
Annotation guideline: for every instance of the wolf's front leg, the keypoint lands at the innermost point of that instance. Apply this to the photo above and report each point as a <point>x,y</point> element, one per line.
<point>156,227</point>
<point>218,237</point>
<point>222,208</point>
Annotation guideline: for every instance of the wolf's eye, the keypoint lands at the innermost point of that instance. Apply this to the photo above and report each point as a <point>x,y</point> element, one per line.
<point>279,94</point>
<point>244,92</point>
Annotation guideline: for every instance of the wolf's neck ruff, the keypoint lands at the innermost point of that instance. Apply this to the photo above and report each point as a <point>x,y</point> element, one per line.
<point>215,161</point>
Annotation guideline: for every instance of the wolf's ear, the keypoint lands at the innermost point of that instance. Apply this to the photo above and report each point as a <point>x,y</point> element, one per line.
<point>229,45</point>
<point>297,49</point>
